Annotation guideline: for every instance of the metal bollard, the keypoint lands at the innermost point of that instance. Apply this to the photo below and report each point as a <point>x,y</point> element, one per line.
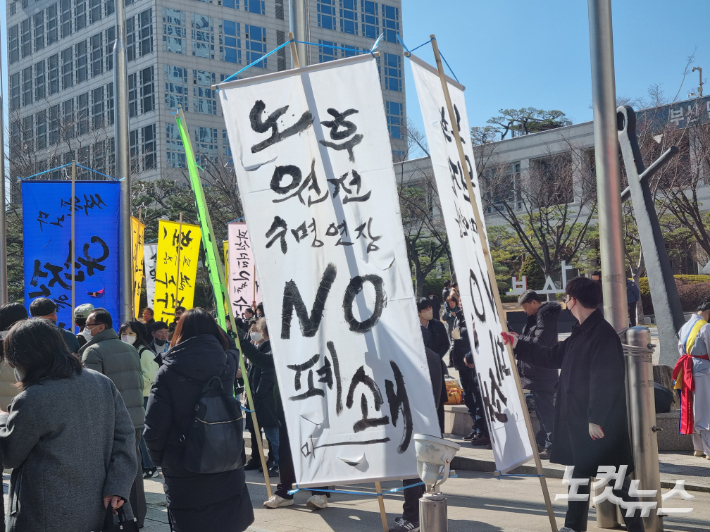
<point>642,417</point>
<point>433,515</point>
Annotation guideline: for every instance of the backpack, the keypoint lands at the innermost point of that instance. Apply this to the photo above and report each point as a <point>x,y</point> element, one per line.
<point>215,440</point>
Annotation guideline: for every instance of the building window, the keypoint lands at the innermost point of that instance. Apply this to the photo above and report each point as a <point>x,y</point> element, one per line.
<point>351,50</point>
<point>326,52</point>
<point>39,30</point>
<point>279,11</point>
<point>41,124</point>
<point>97,108</point>
<point>229,42</point>
<point>175,87</point>
<point>53,70</point>
<point>94,11</point>
<point>370,19</point>
<point>26,38</point>
<point>99,160</point>
<point>13,8</point>
<point>395,119</point>
<point>53,125</point>
<point>256,44</point>
<point>52,26</point>
<point>39,81</point>
<point>82,62</point>
<point>110,7</point>
<point>326,14</point>
<point>175,149</point>
<point>14,92</point>
<point>255,6</point>
<point>204,96</point>
<point>148,147</point>
<point>110,40</point>
<point>111,154</point>
<point>109,104</point>
<point>13,39</point>
<point>66,14</point>
<point>28,134</point>
<point>97,55</point>
<point>202,36</point>
<point>390,22</point>
<point>174,32</point>
<point>348,16</point>
<point>281,54</point>
<point>206,143</point>
<point>130,38</point>
<point>67,68</point>
<point>82,115</point>
<point>27,86</point>
<point>145,32</point>
<point>132,95</point>
<point>147,90</point>
<point>233,4</point>
<point>68,118</point>
<point>79,14</point>
<point>393,72</point>
<point>84,160</point>
<point>226,148</point>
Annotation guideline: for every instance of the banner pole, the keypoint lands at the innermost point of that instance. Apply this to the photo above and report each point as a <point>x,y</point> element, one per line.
<point>177,281</point>
<point>199,193</point>
<point>73,245</point>
<point>294,51</point>
<point>381,502</point>
<point>491,275</point>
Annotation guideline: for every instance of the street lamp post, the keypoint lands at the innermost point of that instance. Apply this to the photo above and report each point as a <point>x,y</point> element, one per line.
<point>123,168</point>
<point>3,241</point>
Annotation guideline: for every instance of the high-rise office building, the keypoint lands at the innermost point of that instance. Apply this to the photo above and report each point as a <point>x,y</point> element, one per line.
<point>60,62</point>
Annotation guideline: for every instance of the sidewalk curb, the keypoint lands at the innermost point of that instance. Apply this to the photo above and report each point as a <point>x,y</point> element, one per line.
<point>488,466</point>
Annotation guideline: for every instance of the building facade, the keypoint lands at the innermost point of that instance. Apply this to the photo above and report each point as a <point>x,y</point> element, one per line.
<point>60,66</point>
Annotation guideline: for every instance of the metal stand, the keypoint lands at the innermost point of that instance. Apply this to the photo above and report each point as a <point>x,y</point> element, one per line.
<point>642,416</point>
<point>433,515</point>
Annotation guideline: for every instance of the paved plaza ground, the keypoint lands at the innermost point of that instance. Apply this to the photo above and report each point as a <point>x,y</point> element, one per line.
<point>477,503</point>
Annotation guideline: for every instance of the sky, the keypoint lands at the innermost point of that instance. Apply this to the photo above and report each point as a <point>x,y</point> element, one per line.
<point>522,53</point>
<point>518,53</point>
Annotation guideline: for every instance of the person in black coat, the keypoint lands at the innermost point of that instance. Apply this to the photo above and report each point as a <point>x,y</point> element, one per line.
<point>262,382</point>
<point>591,428</point>
<point>435,338</point>
<point>540,328</point>
<point>217,502</point>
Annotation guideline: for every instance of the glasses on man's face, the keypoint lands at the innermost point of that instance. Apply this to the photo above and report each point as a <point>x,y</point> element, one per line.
<point>90,325</point>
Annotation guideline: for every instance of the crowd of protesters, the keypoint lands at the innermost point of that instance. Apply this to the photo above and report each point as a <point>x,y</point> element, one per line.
<point>139,387</point>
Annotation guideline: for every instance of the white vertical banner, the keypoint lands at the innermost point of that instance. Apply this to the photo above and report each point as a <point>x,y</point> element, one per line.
<point>314,165</point>
<point>150,256</point>
<point>242,283</point>
<point>504,414</point>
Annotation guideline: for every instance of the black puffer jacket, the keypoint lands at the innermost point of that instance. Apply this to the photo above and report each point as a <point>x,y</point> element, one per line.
<point>186,368</point>
<point>262,381</point>
<point>541,329</point>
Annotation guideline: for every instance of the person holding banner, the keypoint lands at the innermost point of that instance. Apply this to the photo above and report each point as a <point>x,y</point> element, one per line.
<point>591,426</point>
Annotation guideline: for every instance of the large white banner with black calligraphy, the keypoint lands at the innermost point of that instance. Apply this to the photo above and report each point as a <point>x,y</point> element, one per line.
<point>502,406</point>
<point>314,166</point>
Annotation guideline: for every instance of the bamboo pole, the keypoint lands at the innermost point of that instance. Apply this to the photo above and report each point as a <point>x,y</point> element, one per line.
<point>73,245</point>
<point>177,281</point>
<point>294,52</point>
<point>381,502</point>
<point>491,274</point>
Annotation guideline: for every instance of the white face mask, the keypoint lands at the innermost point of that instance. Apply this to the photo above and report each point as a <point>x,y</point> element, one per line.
<point>256,337</point>
<point>129,338</point>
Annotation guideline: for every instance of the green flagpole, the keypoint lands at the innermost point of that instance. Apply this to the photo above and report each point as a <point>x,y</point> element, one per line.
<point>216,273</point>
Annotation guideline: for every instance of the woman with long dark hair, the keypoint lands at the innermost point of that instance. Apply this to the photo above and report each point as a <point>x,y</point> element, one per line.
<point>136,334</point>
<point>68,437</point>
<point>217,502</point>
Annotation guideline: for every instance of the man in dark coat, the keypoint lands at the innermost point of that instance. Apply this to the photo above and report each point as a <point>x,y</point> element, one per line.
<point>46,309</point>
<point>540,328</point>
<point>436,306</point>
<point>591,428</point>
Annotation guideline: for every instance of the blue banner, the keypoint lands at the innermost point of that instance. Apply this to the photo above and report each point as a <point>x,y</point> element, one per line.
<point>46,208</point>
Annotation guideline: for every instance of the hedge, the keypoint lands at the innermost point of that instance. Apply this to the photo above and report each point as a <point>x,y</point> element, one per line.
<point>692,289</point>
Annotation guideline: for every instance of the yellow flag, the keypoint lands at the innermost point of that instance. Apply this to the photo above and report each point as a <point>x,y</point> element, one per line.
<point>137,233</point>
<point>175,279</point>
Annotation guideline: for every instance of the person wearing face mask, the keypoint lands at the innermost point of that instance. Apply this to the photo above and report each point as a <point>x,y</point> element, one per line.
<point>46,309</point>
<point>261,381</point>
<point>134,333</point>
<point>591,426</point>
<point>119,361</point>
<point>159,343</point>
<point>80,314</point>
